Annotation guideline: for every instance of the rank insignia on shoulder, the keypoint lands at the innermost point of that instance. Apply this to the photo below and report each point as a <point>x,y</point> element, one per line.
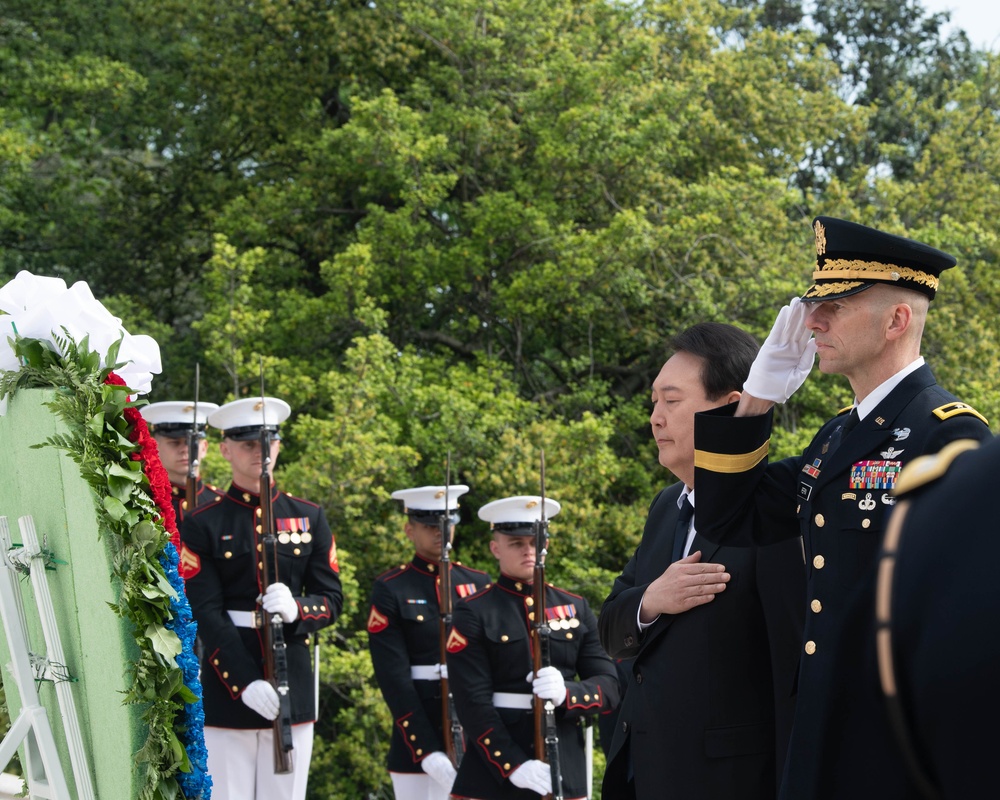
<point>456,642</point>
<point>377,621</point>
<point>949,410</point>
<point>926,469</point>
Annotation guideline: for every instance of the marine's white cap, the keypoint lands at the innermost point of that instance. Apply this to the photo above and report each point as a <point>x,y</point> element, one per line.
<point>516,515</point>
<point>243,419</point>
<point>176,418</point>
<point>426,504</point>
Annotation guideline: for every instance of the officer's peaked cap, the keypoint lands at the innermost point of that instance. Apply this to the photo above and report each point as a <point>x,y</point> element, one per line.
<point>427,504</point>
<point>176,418</point>
<point>516,515</point>
<point>851,258</point>
<point>244,419</point>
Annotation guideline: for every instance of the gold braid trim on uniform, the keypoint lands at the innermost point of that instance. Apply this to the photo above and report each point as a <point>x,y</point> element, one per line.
<point>857,270</point>
<point>726,463</point>
<point>925,469</point>
<point>953,409</point>
<point>883,598</point>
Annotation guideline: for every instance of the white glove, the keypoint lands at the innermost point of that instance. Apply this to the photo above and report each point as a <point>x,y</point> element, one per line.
<point>260,696</point>
<point>443,671</point>
<point>549,685</point>
<point>785,358</point>
<point>278,600</point>
<point>534,775</point>
<point>439,767</point>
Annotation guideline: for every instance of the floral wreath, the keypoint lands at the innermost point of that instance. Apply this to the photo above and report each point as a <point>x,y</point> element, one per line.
<point>110,441</point>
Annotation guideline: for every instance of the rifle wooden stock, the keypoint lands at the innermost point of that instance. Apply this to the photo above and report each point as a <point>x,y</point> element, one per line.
<point>275,653</point>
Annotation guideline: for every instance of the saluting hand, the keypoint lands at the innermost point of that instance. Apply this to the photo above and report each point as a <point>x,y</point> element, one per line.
<point>685,584</point>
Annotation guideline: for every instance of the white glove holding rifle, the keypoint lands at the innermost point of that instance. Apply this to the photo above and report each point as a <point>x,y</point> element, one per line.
<point>534,775</point>
<point>260,696</point>
<point>439,767</point>
<point>785,358</point>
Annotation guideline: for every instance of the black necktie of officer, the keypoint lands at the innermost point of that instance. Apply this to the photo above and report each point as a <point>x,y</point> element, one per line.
<point>843,430</point>
<point>683,527</point>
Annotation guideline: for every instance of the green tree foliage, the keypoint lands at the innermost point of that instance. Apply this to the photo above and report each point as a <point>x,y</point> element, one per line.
<point>450,227</point>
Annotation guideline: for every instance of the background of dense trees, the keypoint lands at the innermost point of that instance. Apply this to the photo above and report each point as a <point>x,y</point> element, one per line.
<point>470,227</point>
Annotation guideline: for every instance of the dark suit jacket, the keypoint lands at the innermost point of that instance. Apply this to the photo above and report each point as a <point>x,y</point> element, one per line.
<point>837,498</point>
<point>708,709</point>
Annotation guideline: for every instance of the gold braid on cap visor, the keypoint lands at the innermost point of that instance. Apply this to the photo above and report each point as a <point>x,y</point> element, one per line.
<point>855,270</point>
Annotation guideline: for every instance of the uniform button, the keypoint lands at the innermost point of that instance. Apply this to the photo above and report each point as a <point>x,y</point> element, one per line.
<point>225,675</point>
<point>420,751</point>
<point>506,767</point>
<point>810,648</point>
<point>866,523</point>
<point>529,601</point>
<point>260,565</point>
<point>573,699</point>
<point>215,661</point>
<point>406,724</point>
<point>531,615</point>
<point>638,678</point>
<point>798,508</point>
<point>625,727</point>
<point>628,641</point>
<point>504,638</point>
<point>297,551</point>
<point>260,548</point>
<point>322,608</point>
<point>496,753</point>
<point>569,635</point>
<point>236,689</point>
<point>413,737</point>
<point>820,521</point>
<point>260,529</point>
<point>819,562</point>
<point>816,606</point>
<point>228,554</point>
<point>586,698</point>
<point>420,617</point>
<point>486,742</point>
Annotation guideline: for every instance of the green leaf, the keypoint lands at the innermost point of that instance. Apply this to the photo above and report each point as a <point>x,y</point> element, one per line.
<point>165,642</point>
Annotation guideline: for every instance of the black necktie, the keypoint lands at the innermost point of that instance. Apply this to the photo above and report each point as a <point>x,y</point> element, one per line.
<point>683,527</point>
<point>842,431</point>
<point>852,420</point>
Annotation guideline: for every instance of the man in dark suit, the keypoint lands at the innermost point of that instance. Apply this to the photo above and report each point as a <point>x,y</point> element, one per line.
<point>866,310</point>
<point>712,633</point>
<point>936,610</point>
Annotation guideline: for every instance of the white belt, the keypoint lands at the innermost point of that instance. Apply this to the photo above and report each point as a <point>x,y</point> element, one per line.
<point>426,672</point>
<point>512,700</point>
<point>245,619</point>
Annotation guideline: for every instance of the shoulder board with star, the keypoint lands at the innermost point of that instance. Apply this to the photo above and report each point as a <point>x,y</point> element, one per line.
<point>949,410</point>
<point>925,470</point>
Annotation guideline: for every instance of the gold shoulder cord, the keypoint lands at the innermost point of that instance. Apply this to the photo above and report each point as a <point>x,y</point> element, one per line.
<point>886,663</point>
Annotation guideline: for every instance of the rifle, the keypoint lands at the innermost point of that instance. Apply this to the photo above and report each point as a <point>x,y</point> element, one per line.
<point>191,491</point>
<point>275,653</point>
<point>454,739</point>
<point>546,734</point>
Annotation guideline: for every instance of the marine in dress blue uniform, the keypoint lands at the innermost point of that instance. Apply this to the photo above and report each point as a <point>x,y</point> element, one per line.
<point>171,423</point>
<point>404,637</point>
<point>490,659</point>
<point>221,563</point>
<point>838,494</point>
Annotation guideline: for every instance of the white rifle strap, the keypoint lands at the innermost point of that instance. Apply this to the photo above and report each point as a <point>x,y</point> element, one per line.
<point>42,770</point>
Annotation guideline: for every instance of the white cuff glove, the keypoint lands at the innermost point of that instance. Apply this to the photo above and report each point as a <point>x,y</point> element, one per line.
<point>443,671</point>
<point>785,358</point>
<point>278,600</point>
<point>549,685</point>
<point>534,775</point>
<point>260,696</point>
<point>439,767</point>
